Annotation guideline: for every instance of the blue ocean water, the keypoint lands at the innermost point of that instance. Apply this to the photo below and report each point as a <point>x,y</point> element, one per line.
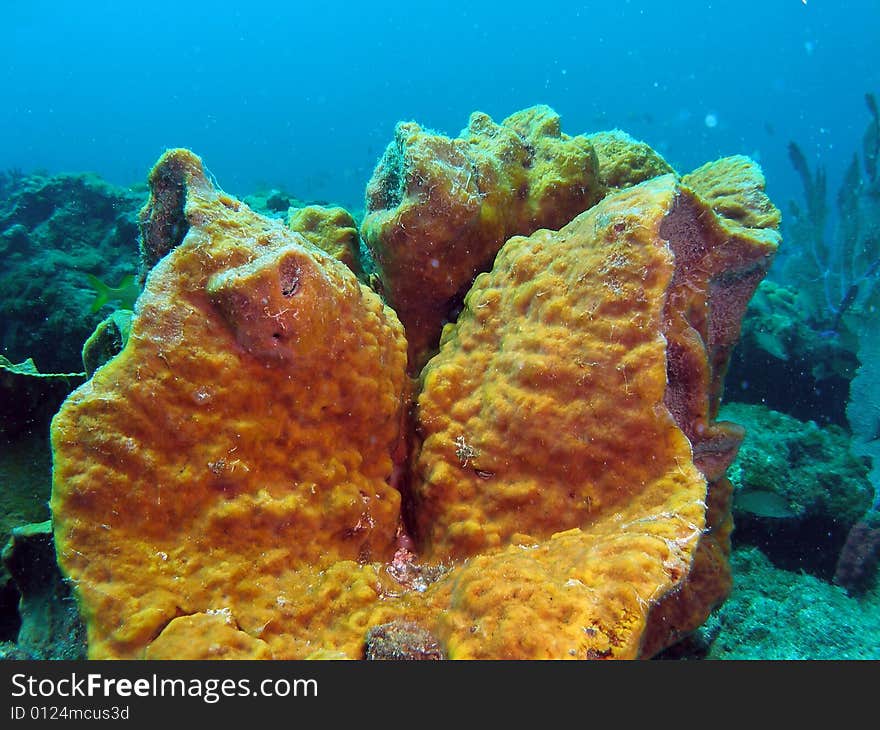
<point>305,96</point>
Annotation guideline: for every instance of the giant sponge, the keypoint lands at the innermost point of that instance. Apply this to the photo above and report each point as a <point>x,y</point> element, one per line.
<point>241,425</point>
<point>239,482</point>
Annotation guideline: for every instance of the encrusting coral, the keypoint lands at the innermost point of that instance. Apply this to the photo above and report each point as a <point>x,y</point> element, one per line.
<point>235,482</point>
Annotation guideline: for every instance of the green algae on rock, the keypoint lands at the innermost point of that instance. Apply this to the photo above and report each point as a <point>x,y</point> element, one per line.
<point>796,483</point>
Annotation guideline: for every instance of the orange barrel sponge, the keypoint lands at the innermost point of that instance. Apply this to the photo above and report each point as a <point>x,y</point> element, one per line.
<point>550,445</point>
<point>439,209</point>
<point>625,161</point>
<point>245,431</point>
<point>720,260</point>
<point>332,229</point>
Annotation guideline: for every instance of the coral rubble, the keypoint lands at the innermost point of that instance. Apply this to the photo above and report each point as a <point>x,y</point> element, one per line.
<point>238,482</point>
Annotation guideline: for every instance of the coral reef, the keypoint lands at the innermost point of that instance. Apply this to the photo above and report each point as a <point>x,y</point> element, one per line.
<point>810,467</point>
<point>774,614</point>
<point>795,483</point>
<point>54,231</point>
<point>779,344</point>
<point>278,203</point>
<point>439,209</point>
<point>805,325</point>
<point>863,410</point>
<point>837,277</point>
<point>272,203</point>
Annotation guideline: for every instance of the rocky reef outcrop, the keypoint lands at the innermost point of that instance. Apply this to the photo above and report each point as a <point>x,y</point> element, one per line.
<point>797,485</point>
<point>55,233</point>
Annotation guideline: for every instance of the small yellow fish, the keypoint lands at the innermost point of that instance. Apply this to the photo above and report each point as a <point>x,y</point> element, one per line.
<point>122,296</point>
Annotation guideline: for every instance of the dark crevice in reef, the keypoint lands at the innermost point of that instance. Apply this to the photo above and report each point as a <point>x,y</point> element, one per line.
<point>811,545</point>
<point>39,618</point>
<point>10,619</point>
<point>754,377</point>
